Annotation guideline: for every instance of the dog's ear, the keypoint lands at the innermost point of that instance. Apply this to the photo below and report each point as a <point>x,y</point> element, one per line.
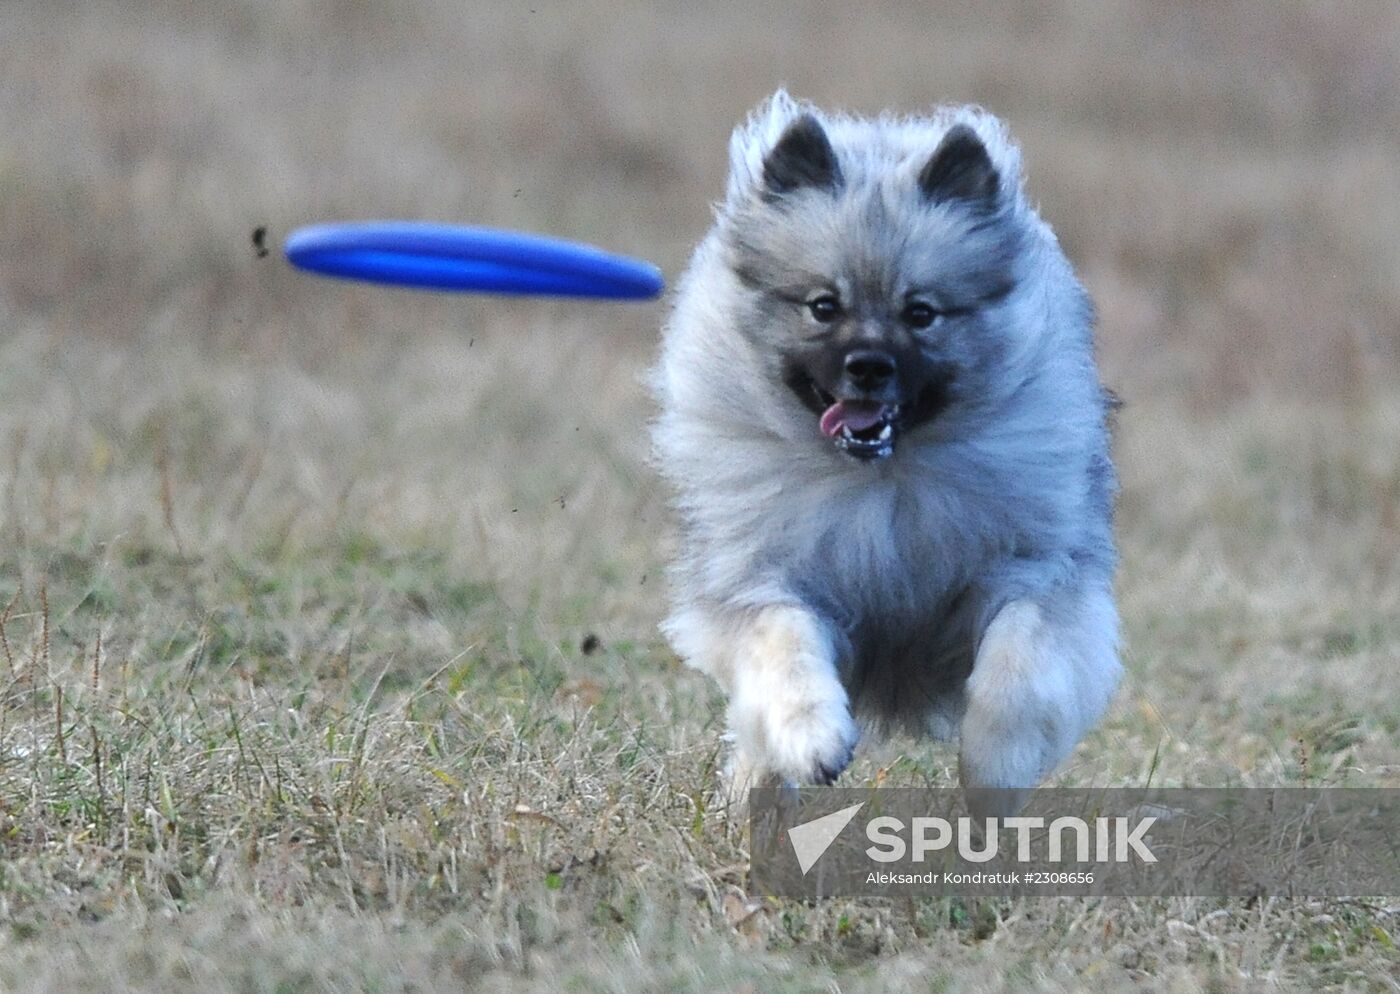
<point>960,169</point>
<point>803,157</point>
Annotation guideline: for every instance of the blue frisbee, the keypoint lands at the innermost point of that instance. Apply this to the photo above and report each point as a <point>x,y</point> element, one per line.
<point>483,260</point>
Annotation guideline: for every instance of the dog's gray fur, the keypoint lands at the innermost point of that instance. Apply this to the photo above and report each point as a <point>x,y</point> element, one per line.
<point>965,582</point>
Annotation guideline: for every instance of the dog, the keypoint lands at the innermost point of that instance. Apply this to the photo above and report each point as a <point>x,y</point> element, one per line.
<point>883,423</point>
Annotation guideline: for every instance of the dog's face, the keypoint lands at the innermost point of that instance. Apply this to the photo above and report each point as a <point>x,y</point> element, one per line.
<point>869,280</point>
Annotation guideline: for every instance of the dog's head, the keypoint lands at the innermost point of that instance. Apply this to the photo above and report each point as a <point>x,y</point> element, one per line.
<point>871,259</point>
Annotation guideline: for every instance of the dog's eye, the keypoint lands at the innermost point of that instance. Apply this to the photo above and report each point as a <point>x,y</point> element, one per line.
<point>825,309</point>
<point>919,315</point>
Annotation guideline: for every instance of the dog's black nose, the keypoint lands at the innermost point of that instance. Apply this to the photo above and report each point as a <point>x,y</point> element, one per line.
<point>869,369</point>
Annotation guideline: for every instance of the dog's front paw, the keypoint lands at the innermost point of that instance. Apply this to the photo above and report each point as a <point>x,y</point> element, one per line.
<point>789,717</point>
<point>812,745</point>
<point>803,736</point>
<point>1038,682</point>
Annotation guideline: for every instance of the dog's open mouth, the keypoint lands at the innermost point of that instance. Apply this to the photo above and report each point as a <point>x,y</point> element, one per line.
<point>861,428</point>
<point>865,428</point>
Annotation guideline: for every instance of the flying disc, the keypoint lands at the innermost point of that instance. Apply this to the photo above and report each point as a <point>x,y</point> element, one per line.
<point>456,257</point>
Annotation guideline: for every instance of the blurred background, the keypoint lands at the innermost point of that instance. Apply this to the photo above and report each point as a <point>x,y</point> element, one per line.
<point>1225,175</point>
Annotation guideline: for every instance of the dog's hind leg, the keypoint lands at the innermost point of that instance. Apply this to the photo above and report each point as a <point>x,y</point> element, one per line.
<point>1042,676</point>
<point>789,716</point>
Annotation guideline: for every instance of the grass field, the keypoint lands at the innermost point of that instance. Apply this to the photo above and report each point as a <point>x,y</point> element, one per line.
<point>328,657</point>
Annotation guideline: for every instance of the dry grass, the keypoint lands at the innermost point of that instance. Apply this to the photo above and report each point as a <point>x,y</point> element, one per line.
<point>293,693</point>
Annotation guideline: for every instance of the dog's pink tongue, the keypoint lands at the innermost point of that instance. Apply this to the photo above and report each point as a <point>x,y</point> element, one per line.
<point>853,414</point>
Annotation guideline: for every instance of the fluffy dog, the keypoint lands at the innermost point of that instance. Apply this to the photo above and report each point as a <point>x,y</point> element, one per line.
<point>884,425</point>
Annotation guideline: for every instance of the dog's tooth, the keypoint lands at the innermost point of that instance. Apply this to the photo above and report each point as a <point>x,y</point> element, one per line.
<point>885,433</point>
